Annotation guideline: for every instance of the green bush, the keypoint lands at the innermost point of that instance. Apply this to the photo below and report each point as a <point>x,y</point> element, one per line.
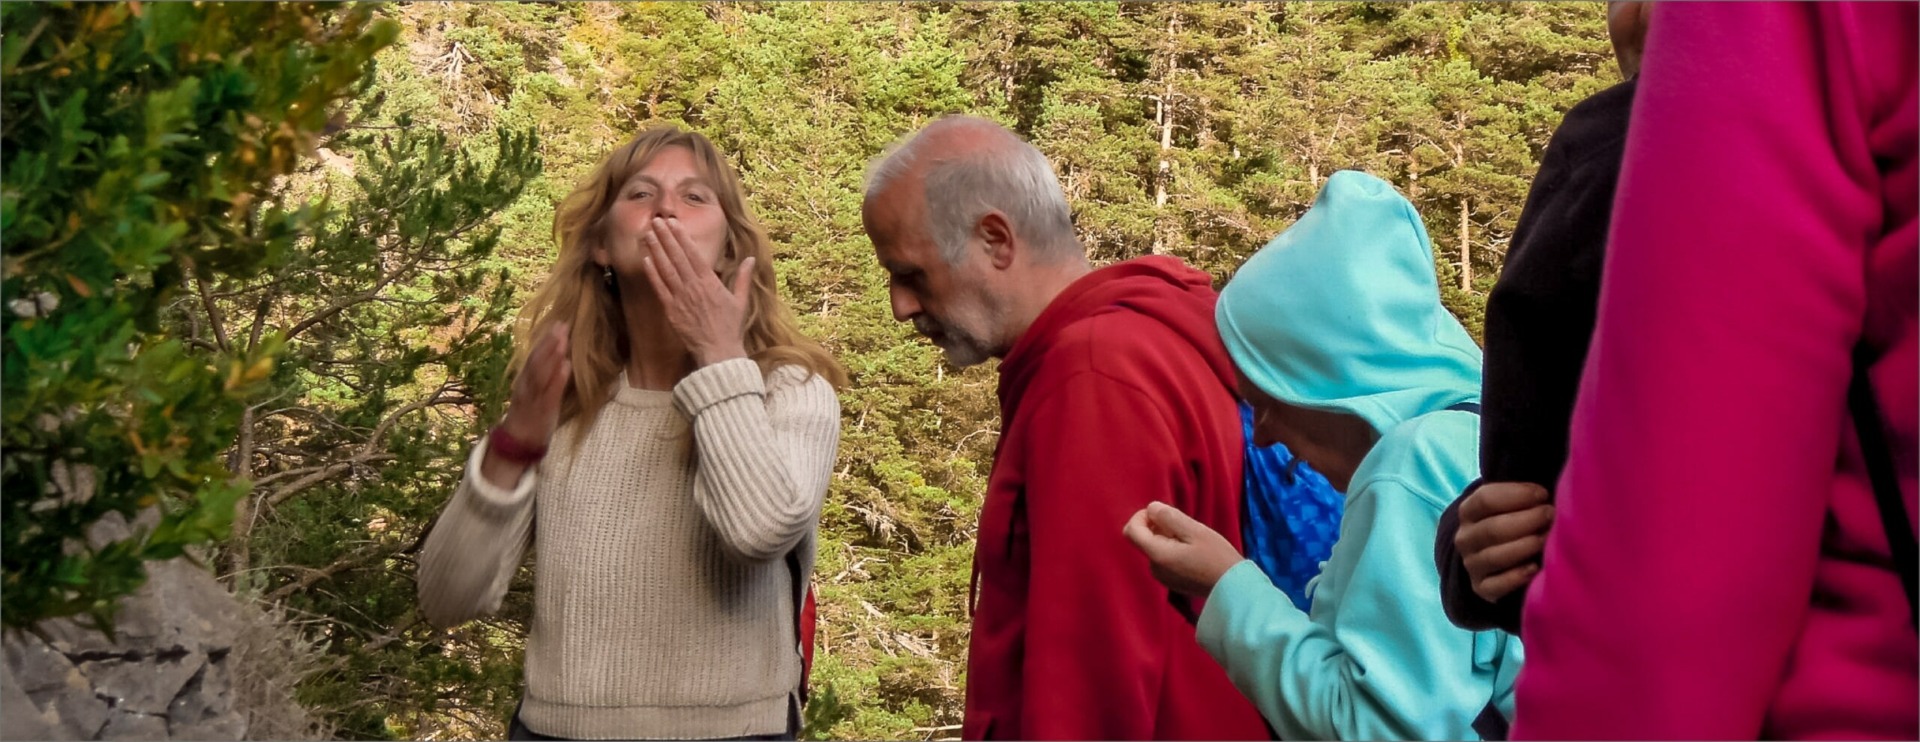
<point>141,144</point>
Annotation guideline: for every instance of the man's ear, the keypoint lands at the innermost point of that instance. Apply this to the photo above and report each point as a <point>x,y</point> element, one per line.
<point>996,237</point>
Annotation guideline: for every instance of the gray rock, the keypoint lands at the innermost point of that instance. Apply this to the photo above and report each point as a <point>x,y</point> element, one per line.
<point>227,727</point>
<point>147,685</point>
<point>19,717</point>
<point>181,606</point>
<point>123,724</point>
<point>55,688</point>
<point>186,662</point>
<point>198,608</point>
<point>71,638</point>
<point>39,668</point>
<point>204,707</point>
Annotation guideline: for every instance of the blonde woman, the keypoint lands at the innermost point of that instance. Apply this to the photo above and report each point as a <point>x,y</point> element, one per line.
<point>667,446</point>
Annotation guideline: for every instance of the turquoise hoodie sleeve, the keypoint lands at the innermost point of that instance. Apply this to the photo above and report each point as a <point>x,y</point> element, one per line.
<point>1377,659</point>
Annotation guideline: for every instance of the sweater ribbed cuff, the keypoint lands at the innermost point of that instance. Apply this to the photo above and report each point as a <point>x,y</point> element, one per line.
<point>711,385</point>
<point>489,500</point>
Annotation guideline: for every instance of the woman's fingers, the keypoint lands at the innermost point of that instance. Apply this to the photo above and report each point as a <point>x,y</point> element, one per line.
<point>707,312</point>
<point>1492,589</point>
<point>540,360</point>
<point>1499,529</point>
<point>540,387</point>
<point>557,386</point>
<point>673,242</point>
<point>1504,556</point>
<point>656,271</point>
<point>659,266</point>
<point>560,370</point>
<point>1493,498</point>
<point>743,281</point>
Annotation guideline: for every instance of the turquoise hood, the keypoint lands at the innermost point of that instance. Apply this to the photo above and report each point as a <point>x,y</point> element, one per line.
<point>1341,311</point>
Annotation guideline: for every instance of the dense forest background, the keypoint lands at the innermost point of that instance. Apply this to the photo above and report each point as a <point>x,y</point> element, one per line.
<point>368,348</point>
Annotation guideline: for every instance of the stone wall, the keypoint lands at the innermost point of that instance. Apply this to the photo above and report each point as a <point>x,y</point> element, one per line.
<point>190,661</point>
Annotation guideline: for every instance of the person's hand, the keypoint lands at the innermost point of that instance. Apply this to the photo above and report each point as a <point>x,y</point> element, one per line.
<point>1503,530</point>
<point>710,318</point>
<point>534,410</point>
<point>1187,556</point>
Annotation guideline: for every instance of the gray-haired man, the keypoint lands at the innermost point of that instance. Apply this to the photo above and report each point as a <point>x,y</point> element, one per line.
<point>1115,391</point>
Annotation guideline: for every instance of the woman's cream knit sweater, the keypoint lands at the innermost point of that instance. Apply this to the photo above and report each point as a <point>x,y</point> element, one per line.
<point>664,604</point>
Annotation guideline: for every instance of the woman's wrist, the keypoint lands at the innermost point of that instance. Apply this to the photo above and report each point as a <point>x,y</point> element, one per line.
<point>707,357</point>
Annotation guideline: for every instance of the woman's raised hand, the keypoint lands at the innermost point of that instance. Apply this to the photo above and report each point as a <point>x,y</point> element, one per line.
<point>710,317</point>
<point>540,388</point>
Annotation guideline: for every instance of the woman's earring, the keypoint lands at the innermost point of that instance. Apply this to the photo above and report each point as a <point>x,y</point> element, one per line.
<point>606,275</point>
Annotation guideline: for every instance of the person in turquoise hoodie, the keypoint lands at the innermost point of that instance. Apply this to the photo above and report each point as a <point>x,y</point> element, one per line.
<point>1348,358</point>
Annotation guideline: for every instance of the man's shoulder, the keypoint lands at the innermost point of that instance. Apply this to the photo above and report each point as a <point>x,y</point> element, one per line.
<point>1136,361</point>
<point>1116,337</point>
<point>1125,353</point>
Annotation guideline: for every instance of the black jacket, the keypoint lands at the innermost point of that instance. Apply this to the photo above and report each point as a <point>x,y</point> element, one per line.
<point>1540,318</point>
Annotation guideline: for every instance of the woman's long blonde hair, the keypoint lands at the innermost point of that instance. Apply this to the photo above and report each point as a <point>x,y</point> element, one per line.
<point>577,292</point>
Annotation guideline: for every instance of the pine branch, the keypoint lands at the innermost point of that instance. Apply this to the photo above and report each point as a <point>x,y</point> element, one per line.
<point>369,451</point>
<point>214,319</point>
<point>357,558</point>
<point>323,474</point>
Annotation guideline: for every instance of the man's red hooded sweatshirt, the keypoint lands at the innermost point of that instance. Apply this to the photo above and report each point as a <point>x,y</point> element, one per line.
<point>1119,394</point>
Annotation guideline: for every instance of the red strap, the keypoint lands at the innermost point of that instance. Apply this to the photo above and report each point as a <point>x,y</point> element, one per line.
<point>807,620</point>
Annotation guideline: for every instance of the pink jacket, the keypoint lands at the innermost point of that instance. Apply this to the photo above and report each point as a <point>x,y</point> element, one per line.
<point>1717,568</point>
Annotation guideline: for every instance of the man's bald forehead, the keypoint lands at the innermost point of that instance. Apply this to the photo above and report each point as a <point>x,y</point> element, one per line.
<point>969,132</point>
<point>946,139</point>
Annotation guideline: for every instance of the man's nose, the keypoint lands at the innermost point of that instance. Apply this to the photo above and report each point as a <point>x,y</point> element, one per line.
<point>905,306</point>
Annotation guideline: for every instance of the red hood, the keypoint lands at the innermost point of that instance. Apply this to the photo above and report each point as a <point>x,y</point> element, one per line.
<point>1160,288</point>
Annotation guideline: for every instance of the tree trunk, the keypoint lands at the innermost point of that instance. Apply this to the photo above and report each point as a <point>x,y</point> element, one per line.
<point>1165,120</point>
<point>238,555</point>
<point>1466,248</point>
<point>1164,117</point>
<point>1413,176</point>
